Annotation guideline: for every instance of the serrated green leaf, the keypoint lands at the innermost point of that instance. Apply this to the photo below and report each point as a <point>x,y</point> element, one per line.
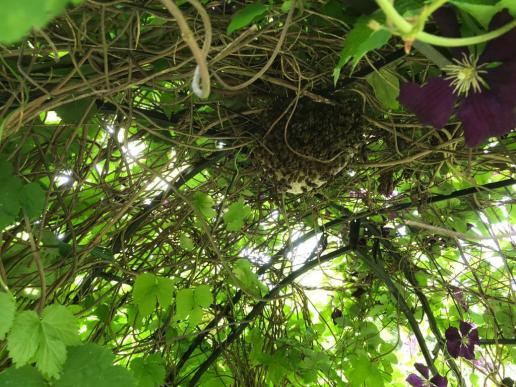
<point>204,204</point>
<point>92,365</point>
<point>58,322</point>
<point>246,16</point>
<point>26,376</point>
<point>149,289</point>
<point>235,216</point>
<point>7,310</point>
<point>149,371</point>
<point>386,88</point>
<point>32,199</point>
<point>44,340</point>
<point>50,357</point>
<point>358,42</point>
<point>24,337</point>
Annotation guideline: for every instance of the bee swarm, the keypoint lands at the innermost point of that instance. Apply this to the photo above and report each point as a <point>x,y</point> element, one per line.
<point>322,140</point>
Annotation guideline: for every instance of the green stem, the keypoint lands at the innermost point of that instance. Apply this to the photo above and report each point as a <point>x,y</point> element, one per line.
<point>405,28</point>
<point>457,42</point>
<point>399,21</point>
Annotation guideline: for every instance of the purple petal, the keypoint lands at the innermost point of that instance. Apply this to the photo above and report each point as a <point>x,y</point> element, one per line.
<point>502,82</point>
<point>439,381</point>
<point>415,380</point>
<point>336,314</point>
<point>467,351</point>
<point>453,348</point>
<point>431,103</point>
<point>452,334</point>
<point>484,115</point>
<point>446,20</point>
<point>473,336</point>
<point>423,370</point>
<point>503,47</point>
<point>453,341</point>
<point>465,327</point>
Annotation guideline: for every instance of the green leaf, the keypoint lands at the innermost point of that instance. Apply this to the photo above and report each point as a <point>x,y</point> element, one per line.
<point>285,6</point>
<point>103,254</point>
<point>422,277</point>
<point>195,317</point>
<point>235,216</point>
<point>184,303</point>
<point>91,365</point>
<point>363,372</point>
<point>246,16</point>
<point>359,41</point>
<point>6,169</point>
<point>482,10</point>
<point>26,376</point>
<point>247,280</point>
<point>186,242</point>
<point>189,303</point>
<point>59,322</point>
<point>386,88</point>
<point>9,200</point>
<point>509,5</point>
<point>149,289</point>
<point>149,371</point>
<point>44,340</point>
<point>24,338</point>
<point>203,296</point>
<point>77,111</point>
<point>408,7</point>
<point>32,200</point>
<point>204,204</point>
<point>19,17</point>
<point>7,310</point>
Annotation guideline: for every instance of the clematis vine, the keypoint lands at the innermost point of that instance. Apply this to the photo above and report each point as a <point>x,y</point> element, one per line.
<point>483,87</point>
<point>462,342</point>
<point>425,381</point>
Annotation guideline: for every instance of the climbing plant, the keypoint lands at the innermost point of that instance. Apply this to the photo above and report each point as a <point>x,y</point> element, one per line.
<point>280,193</point>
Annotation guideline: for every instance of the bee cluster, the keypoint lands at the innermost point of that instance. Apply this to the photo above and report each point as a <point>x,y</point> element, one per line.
<point>322,139</point>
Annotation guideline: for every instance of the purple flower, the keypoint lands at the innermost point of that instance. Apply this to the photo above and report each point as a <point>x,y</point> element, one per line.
<point>462,343</point>
<point>418,381</point>
<point>484,89</point>
<point>335,315</point>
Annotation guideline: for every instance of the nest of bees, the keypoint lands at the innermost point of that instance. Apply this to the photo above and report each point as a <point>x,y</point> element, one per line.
<point>307,148</point>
